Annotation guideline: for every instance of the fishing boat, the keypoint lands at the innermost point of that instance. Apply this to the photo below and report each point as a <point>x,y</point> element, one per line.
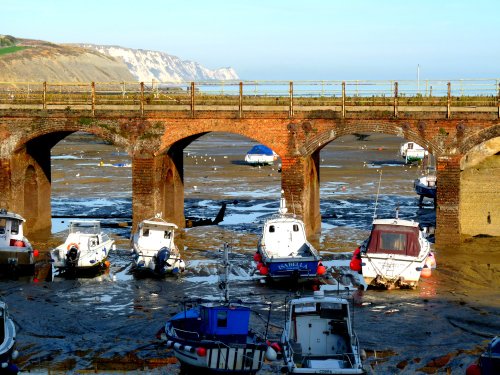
<point>283,250</point>
<point>396,254</point>
<point>154,250</point>
<point>216,337</point>
<point>318,337</point>
<point>489,361</point>
<point>412,152</point>
<point>260,155</point>
<point>85,249</point>
<point>426,187</point>
<point>17,256</point>
<point>8,353</point>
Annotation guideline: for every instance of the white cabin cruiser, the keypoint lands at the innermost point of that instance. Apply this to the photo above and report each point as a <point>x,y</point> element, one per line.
<point>284,251</point>
<point>411,152</point>
<point>396,254</point>
<point>17,256</point>
<point>8,353</point>
<point>154,250</point>
<point>86,248</point>
<point>318,337</point>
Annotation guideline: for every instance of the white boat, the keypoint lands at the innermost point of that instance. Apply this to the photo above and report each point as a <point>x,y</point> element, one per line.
<point>426,187</point>
<point>153,248</point>
<point>86,248</point>
<point>8,353</point>
<point>411,152</point>
<point>17,256</point>
<point>396,254</point>
<point>283,250</point>
<point>217,337</point>
<point>318,337</point>
<point>260,155</point>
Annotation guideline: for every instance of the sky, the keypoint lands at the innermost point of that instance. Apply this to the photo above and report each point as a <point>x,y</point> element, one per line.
<point>283,39</point>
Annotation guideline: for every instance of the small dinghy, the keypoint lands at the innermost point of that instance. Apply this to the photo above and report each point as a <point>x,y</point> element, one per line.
<point>412,152</point>
<point>318,337</point>
<point>17,256</point>
<point>216,337</point>
<point>283,250</point>
<point>260,155</point>
<point>7,342</point>
<point>396,254</point>
<point>85,250</point>
<point>154,250</point>
<point>489,362</point>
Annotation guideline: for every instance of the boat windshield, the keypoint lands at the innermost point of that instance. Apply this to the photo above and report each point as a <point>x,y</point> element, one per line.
<point>394,239</point>
<point>88,227</point>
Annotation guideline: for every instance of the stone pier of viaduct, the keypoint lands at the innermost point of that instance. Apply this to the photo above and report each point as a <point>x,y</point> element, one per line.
<point>155,141</point>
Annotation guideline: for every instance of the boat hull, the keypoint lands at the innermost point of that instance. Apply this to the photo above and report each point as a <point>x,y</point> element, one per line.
<point>219,357</point>
<point>146,265</point>
<point>89,262</point>
<point>389,271</point>
<point>292,268</point>
<point>17,261</point>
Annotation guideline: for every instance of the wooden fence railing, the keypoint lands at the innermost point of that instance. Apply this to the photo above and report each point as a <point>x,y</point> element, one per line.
<point>244,96</point>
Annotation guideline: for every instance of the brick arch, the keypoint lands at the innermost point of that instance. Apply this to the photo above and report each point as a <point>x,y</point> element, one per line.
<point>48,130</point>
<point>321,139</point>
<point>183,139</point>
<point>477,138</point>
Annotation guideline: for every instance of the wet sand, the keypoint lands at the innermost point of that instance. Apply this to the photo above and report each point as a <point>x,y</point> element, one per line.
<point>108,323</point>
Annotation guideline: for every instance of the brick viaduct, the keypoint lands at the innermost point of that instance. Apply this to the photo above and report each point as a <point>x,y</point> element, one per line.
<point>155,141</point>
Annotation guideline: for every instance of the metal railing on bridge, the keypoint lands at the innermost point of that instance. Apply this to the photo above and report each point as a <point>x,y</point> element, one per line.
<point>242,96</point>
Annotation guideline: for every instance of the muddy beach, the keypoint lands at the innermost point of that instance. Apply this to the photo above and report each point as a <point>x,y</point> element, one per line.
<point>107,324</point>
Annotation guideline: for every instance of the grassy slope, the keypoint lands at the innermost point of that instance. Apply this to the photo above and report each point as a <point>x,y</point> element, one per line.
<point>11,49</point>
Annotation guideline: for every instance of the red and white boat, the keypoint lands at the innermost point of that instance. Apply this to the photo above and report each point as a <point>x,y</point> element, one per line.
<point>396,254</point>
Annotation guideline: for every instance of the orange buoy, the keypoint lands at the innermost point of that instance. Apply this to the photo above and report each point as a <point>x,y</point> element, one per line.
<point>259,265</point>
<point>35,253</point>
<point>426,272</point>
<point>19,243</point>
<point>257,257</point>
<point>263,270</point>
<point>107,263</point>
<point>321,270</point>
<point>473,369</point>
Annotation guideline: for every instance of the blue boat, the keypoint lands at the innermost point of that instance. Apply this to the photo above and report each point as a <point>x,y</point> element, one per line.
<point>260,155</point>
<point>216,337</point>
<point>489,362</point>
<point>283,250</point>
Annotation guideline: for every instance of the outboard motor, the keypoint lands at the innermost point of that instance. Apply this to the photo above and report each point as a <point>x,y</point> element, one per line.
<point>162,260</point>
<point>72,257</point>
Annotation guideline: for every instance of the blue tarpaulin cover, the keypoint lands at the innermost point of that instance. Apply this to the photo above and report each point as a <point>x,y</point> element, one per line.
<point>260,149</point>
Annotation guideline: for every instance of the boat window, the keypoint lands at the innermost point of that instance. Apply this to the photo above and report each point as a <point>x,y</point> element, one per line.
<point>221,318</point>
<point>167,234</point>
<point>2,226</point>
<point>271,228</point>
<point>295,228</point>
<point>145,233</point>
<point>14,227</point>
<point>393,241</point>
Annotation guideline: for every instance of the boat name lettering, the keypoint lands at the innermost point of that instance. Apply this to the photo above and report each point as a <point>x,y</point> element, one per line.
<point>292,266</point>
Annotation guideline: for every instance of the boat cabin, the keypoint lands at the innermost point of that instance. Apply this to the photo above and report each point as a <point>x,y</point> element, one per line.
<point>394,239</point>
<point>11,229</point>
<point>151,232</point>
<point>285,238</point>
<point>320,329</point>
<point>213,321</point>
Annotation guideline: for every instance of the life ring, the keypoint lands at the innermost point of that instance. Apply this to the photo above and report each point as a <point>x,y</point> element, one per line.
<point>72,244</point>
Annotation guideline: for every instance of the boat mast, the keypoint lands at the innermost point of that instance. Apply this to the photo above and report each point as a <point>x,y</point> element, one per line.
<point>224,277</point>
<point>376,198</point>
